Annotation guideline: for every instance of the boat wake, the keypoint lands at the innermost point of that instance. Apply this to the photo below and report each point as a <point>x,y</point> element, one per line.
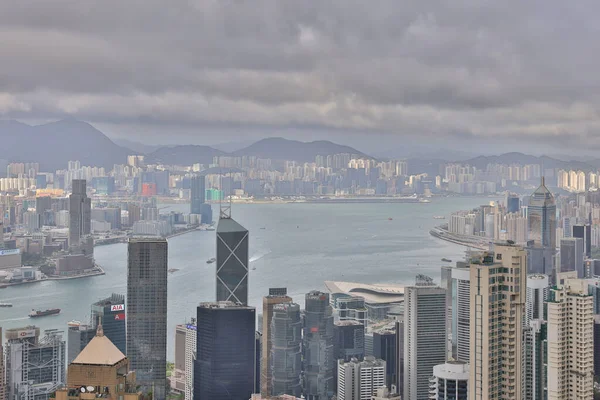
<point>258,256</point>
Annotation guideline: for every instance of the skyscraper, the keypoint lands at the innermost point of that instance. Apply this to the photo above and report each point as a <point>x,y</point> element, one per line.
<point>535,362</point>
<point>359,380</point>
<point>286,357</point>
<point>80,212</point>
<point>276,296</point>
<point>232,261</point>
<point>225,355</point>
<point>570,341</point>
<point>197,195</point>
<point>110,313</point>
<point>584,232</point>
<point>541,214</point>
<point>450,381</point>
<point>147,312</point>
<point>498,296</point>
<point>461,328</point>
<point>384,348</point>
<point>348,340</point>
<point>191,338</point>
<point>541,225</point>
<point>571,256</point>
<point>424,335</point>
<point>35,367</point>
<point>2,372</point>
<point>318,347</point>
<point>537,293</point>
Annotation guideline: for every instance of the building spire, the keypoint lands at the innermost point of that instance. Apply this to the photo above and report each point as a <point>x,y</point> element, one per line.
<point>100,330</point>
<point>543,180</point>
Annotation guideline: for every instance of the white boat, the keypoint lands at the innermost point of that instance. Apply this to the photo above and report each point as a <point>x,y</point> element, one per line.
<point>5,304</point>
<point>439,217</point>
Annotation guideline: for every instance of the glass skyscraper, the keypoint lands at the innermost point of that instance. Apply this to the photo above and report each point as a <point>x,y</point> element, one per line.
<point>147,313</point>
<point>317,347</point>
<point>232,261</point>
<point>80,212</point>
<point>541,226</point>
<point>225,351</point>
<point>541,217</point>
<point>286,357</point>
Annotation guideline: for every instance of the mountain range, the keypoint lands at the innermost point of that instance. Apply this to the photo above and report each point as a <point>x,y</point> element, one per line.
<point>55,143</point>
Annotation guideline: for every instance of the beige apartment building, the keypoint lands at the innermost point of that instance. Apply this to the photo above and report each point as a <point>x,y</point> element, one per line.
<point>498,284</point>
<point>570,340</point>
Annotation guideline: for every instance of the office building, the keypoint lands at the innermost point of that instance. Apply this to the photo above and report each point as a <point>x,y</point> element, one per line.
<point>177,380</point>
<point>147,313</point>
<point>450,381</point>
<point>535,361</point>
<point>78,336</point>
<point>2,371</point>
<point>570,341</point>
<point>101,370</point>
<point>232,261</point>
<point>197,194</point>
<point>191,337</point>
<point>541,226</point>
<point>318,347</point>
<point>447,283</point>
<point>512,203</point>
<point>424,335</point>
<point>571,256</point>
<point>461,277</point>
<point>286,356</point>
<point>541,214</point>
<point>537,294</point>
<point>383,393</point>
<point>225,351</point>
<point>348,340</point>
<point>276,296</point>
<point>384,348</point>
<point>35,367</point>
<point>597,345</point>
<point>498,297</point>
<point>110,313</point>
<point>584,232</point>
<point>399,384</point>
<point>351,308</point>
<point>359,380</point>
<point>80,212</point>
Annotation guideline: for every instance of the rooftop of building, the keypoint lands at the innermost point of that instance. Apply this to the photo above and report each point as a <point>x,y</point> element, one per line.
<point>349,322</point>
<point>224,305</point>
<point>99,351</point>
<point>372,293</point>
<point>541,197</point>
<point>147,239</point>
<point>229,225</point>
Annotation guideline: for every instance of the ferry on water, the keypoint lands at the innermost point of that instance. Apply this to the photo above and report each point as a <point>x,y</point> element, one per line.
<point>3,305</point>
<point>38,313</point>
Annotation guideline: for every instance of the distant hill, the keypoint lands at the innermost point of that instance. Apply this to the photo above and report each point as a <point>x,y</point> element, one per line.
<point>520,158</point>
<point>137,147</point>
<point>53,144</point>
<point>184,155</point>
<point>284,149</point>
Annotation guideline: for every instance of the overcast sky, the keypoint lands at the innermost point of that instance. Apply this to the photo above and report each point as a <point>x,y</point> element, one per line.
<point>447,73</point>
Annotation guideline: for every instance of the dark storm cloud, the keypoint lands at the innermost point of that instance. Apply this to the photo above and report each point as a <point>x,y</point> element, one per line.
<point>462,67</point>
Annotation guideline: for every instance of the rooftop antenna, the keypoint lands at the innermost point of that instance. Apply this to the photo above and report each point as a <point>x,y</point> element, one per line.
<point>542,173</point>
<point>224,211</point>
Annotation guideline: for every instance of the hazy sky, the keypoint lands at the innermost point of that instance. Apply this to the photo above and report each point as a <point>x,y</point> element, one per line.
<point>401,71</point>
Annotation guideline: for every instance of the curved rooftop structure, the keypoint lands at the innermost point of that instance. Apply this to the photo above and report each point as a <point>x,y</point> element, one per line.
<point>374,294</point>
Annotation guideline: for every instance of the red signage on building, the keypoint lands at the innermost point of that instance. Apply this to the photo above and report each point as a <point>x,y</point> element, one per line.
<point>120,317</point>
<point>314,330</point>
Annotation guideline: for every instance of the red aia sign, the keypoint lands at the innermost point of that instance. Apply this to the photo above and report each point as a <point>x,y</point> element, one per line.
<point>314,329</point>
<point>120,317</point>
